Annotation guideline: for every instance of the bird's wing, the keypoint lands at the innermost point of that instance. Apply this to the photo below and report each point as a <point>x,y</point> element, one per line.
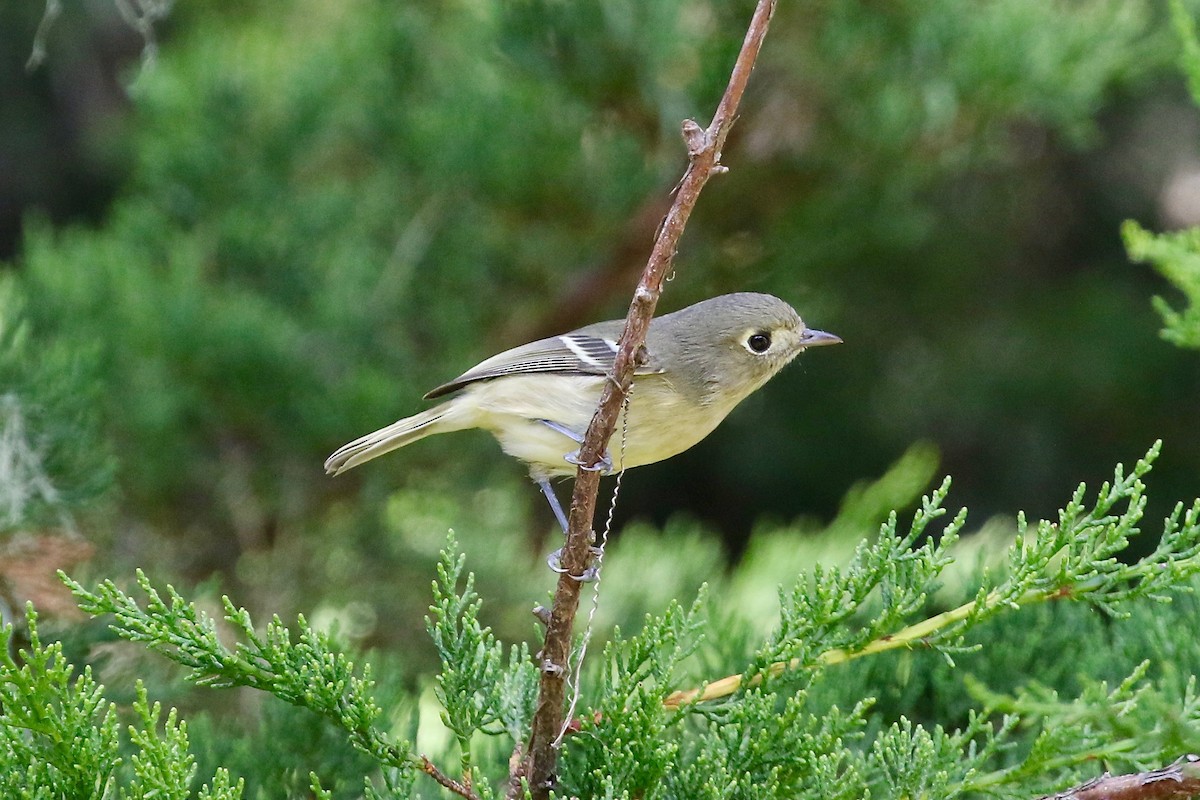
<point>578,353</point>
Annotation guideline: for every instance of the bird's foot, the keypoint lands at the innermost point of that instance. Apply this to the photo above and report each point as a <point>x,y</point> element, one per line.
<point>554,561</point>
<point>604,466</point>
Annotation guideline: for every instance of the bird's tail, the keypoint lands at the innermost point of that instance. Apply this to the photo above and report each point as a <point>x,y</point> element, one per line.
<point>441,419</point>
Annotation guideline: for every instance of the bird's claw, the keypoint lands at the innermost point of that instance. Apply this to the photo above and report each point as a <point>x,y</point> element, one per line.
<point>554,561</point>
<point>604,466</point>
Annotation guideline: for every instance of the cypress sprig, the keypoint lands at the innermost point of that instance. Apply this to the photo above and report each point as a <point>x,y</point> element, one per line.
<point>307,671</point>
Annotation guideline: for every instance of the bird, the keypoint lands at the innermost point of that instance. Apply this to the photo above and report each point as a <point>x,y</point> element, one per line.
<point>538,399</point>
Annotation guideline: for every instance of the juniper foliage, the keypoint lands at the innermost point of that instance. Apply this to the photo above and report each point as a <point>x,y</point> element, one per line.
<point>1176,256</point>
<point>53,458</point>
<point>59,737</point>
<point>806,717</point>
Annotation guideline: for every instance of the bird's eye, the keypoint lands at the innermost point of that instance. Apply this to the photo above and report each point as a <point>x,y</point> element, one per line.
<point>759,342</point>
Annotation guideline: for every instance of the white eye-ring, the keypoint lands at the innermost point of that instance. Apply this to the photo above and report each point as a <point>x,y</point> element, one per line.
<point>758,342</point>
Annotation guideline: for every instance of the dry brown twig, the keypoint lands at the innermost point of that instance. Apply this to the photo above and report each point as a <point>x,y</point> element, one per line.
<point>704,155</point>
<point>459,788</point>
<point>1178,781</point>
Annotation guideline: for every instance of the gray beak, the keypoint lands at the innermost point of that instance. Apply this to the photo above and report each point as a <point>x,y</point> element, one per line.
<point>814,338</point>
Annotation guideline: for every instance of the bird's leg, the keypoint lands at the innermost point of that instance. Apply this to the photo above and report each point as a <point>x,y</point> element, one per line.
<point>555,558</point>
<point>555,506</point>
<point>604,467</point>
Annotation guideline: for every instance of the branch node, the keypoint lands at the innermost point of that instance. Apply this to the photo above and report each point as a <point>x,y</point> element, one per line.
<point>461,789</point>
<point>694,137</point>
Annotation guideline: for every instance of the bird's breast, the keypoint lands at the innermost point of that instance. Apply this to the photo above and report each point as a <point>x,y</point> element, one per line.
<point>658,423</point>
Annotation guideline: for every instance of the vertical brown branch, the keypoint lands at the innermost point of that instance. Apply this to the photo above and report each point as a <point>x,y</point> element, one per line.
<point>704,153</point>
<point>459,788</point>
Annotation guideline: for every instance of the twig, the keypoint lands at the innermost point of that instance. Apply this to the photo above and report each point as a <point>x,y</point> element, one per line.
<point>911,636</point>
<point>37,55</point>
<point>704,153</point>
<point>1175,782</point>
<point>459,789</point>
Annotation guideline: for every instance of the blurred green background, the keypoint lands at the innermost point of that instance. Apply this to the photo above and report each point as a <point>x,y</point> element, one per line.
<point>272,237</point>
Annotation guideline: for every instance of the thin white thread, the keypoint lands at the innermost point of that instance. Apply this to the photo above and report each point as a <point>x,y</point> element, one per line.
<point>574,681</point>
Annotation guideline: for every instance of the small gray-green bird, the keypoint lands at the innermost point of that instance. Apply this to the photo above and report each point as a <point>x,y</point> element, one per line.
<point>538,399</point>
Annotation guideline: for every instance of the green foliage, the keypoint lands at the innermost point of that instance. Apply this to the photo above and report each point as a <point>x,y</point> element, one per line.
<point>315,230</point>
<point>476,687</point>
<point>52,455</point>
<point>1176,256</point>
<point>1121,724</point>
<point>814,615</point>
<point>785,724</point>
<point>935,763</point>
<point>59,738</point>
<point>629,739</point>
<point>320,225</point>
<point>58,731</point>
<point>274,746</point>
<point>308,672</point>
<point>1185,29</point>
<point>814,711</point>
<point>762,747</point>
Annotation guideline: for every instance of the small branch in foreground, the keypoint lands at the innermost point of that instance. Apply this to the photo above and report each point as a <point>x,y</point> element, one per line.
<point>1175,782</point>
<point>1075,558</point>
<point>916,635</point>
<point>704,153</point>
<point>462,790</point>
<point>908,637</point>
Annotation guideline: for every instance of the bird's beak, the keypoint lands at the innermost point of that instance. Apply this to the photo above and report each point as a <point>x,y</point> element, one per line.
<point>814,338</point>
